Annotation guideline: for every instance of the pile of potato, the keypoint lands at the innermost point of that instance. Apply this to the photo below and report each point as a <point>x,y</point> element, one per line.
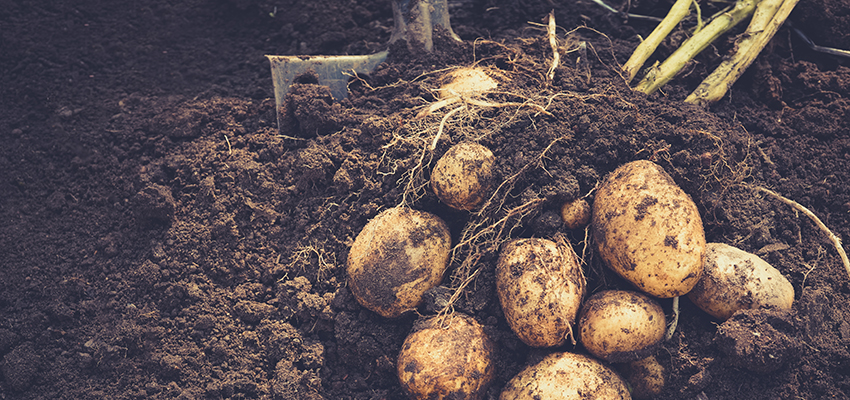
<point>645,228</point>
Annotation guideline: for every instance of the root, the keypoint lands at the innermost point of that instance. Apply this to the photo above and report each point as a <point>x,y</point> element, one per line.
<point>836,241</point>
<point>412,179</point>
<point>303,255</point>
<point>442,126</point>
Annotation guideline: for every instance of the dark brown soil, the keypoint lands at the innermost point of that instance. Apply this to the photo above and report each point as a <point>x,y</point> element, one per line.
<point>162,239</point>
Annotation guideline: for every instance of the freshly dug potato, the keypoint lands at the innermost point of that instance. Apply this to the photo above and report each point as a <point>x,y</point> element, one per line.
<point>621,325</point>
<point>540,287</point>
<point>464,176</point>
<point>446,358</point>
<point>735,279</point>
<point>566,376</point>
<point>576,213</point>
<point>648,230</point>
<point>645,376</point>
<point>396,258</point>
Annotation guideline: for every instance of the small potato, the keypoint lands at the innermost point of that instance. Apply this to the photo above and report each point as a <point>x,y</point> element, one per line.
<point>576,213</point>
<point>621,325</point>
<point>566,376</point>
<point>648,230</point>
<point>446,358</point>
<point>645,376</point>
<point>735,279</point>
<point>464,176</point>
<point>396,258</point>
<point>540,287</point>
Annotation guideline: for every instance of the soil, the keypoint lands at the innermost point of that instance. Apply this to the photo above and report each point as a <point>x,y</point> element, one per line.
<point>162,238</point>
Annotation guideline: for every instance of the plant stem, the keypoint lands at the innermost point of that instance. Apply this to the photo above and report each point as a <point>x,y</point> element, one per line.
<point>648,46</point>
<point>767,19</point>
<point>657,77</point>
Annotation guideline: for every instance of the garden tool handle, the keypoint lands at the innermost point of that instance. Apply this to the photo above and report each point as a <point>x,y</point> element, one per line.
<point>415,21</point>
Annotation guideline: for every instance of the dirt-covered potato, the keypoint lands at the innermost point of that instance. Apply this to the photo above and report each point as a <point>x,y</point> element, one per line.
<point>566,376</point>
<point>464,176</point>
<point>447,357</point>
<point>399,254</point>
<point>576,213</point>
<point>645,376</point>
<point>621,325</point>
<point>649,230</point>
<point>540,286</point>
<point>735,279</point>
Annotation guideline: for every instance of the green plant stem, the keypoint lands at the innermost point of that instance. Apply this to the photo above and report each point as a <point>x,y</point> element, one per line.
<point>648,46</point>
<point>659,76</point>
<point>767,19</point>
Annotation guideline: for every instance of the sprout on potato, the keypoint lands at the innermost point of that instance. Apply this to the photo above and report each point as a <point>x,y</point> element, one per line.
<point>396,258</point>
<point>464,176</point>
<point>540,286</point>
<point>621,325</point>
<point>735,279</point>
<point>566,376</point>
<point>648,230</point>
<point>447,357</point>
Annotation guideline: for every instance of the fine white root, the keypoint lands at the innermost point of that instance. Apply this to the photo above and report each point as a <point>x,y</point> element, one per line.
<point>467,87</point>
<point>836,241</point>
<point>442,126</point>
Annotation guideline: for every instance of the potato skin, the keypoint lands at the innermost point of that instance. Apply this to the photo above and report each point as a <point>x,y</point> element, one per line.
<point>576,213</point>
<point>648,230</point>
<point>646,377</point>
<point>449,358</point>
<point>735,279</point>
<point>540,286</point>
<point>464,176</point>
<point>621,325</point>
<point>566,376</point>
<point>396,258</point>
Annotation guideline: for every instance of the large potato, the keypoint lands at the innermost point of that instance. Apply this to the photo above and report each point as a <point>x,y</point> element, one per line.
<point>621,325</point>
<point>464,176</point>
<point>735,279</point>
<point>566,376</point>
<point>648,230</point>
<point>540,287</point>
<point>446,358</point>
<point>396,258</point>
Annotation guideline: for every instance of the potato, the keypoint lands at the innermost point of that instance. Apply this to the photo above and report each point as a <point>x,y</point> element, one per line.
<point>566,376</point>
<point>540,286</point>
<point>645,376</point>
<point>464,176</point>
<point>735,279</point>
<point>396,258</point>
<point>621,325</point>
<point>576,213</point>
<point>648,230</point>
<point>447,357</point>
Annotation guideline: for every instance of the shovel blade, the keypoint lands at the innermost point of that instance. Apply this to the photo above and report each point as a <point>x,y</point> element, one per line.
<point>331,70</point>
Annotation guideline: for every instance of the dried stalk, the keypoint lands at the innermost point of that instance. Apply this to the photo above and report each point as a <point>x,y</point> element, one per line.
<point>659,76</point>
<point>767,19</point>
